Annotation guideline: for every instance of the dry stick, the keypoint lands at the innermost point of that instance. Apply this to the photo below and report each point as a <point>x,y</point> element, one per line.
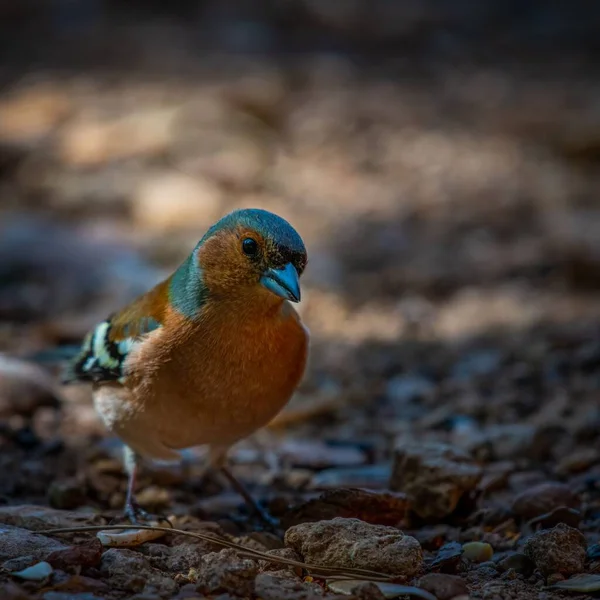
<point>242,551</point>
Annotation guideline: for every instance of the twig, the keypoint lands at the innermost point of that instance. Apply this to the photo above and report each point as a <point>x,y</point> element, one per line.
<point>349,573</point>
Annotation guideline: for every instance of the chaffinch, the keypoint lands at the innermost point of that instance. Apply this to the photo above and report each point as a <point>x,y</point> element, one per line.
<point>209,355</point>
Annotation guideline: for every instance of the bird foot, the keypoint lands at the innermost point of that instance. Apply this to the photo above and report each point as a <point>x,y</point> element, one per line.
<point>268,520</point>
<point>270,523</point>
<point>136,515</point>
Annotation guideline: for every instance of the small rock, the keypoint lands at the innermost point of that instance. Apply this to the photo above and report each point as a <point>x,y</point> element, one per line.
<point>448,557</point>
<point>544,498</point>
<point>518,562</point>
<point>34,518</point>
<point>16,543</point>
<point>586,584</point>
<point>129,571</point>
<point>84,555</point>
<point>378,508</point>
<point>37,572</point>
<point>365,590</point>
<point>558,550</point>
<point>354,543</point>
<point>443,586</point>
<point>225,571</point>
<point>182,557</point>
<point>287,553</point>
<point>368,476</point>
<point>433,476</point>
<point>171,201</point>
<point>478,552</point>
<point>272,587</point>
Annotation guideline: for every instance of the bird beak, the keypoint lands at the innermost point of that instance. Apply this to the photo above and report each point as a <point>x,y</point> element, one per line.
<point>283,282</point>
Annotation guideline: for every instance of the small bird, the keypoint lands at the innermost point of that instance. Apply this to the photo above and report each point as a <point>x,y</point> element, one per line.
<point>209,355</point>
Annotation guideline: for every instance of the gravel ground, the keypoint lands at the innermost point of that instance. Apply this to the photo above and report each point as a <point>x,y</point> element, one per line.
<point>441,162</point>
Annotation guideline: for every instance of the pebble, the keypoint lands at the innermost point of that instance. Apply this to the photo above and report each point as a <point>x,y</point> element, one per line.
<point>433,476</point>
<point>225,571</point>
<point>478,552</point>
<point>448,557</point>
<point>37,572</point>
<point>586,584</point>
<point>17,543</point>
<point>544,498</point>
<point>130,571</point>
<point>287,553</point>
<point>443,586</point>
<point>371,476</point>
<point>561,549</point>
<point>81,555</point>
<point>33,517</point>
<point>356,544</point>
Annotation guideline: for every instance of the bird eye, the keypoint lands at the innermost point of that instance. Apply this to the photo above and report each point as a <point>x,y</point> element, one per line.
<point>250,247</point>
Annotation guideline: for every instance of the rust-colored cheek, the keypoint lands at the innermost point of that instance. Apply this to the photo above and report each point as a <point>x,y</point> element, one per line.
<point>223,265</point>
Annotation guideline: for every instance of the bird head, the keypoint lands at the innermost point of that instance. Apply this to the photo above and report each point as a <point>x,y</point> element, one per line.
<point>252,251</point>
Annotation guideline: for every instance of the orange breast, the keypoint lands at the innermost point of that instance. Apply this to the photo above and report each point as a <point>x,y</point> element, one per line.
<point>218,380</point>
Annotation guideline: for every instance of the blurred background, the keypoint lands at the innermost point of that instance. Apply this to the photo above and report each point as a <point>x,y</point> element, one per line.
<point>440,159</point>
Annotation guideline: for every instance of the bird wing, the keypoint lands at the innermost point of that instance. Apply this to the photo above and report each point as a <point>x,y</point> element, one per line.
<point>106,348</point>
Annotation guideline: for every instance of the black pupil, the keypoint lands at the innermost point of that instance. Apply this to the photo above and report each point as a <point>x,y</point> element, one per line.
<point>249,246</point>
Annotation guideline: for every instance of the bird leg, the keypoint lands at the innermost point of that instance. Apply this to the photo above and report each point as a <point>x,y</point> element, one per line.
<point>254,506</point>
<point>218,460</point>
<point>133,511</point>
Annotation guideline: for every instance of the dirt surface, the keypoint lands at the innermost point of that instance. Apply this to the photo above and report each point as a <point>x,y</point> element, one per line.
<point>441,162</point>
